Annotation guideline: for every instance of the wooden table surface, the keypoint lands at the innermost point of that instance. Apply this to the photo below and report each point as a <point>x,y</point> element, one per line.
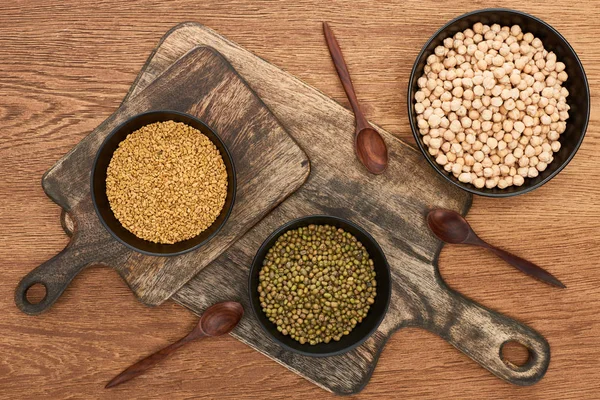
<point>64,68</point>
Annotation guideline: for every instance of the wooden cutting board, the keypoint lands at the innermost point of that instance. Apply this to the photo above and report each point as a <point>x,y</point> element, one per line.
<point>390,206</point>
<point>269,164</point>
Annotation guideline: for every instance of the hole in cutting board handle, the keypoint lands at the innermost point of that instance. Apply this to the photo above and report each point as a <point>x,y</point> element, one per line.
<point>36,293</point>
<point>515,355</point>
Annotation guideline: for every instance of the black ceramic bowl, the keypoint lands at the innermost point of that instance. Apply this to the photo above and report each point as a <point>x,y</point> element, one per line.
<point>577,85</point>
<point>98,185</point>
<point>364,329</point>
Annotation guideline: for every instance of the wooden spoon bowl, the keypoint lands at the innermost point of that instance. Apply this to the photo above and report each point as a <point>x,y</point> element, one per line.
<point>217,320</point>
<point>370,147</point>
<point>371,150</point>
<point>451,227</point>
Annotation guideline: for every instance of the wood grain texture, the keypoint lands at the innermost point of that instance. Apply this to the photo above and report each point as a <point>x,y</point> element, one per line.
<point>391,207</point>
<point>65,68</point>
<point>420,298</point>
<point>269,167</point>
<point>369,145</point>
<point>217,320</point>
<point>452,228</point>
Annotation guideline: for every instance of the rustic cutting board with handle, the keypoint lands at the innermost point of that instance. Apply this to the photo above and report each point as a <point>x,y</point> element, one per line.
<point>390,206</point>
<point>269,166</point>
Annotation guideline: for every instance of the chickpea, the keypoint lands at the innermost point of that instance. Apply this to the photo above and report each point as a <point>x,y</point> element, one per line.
<point>541,166</point>
<point>488,83</point>
<point>433,120</point>
<point>478,155</point>
<point>469,160</point>
<point>490,183</point>
<point>518,180</point>
<point>532,172</point>
<point>438,91</point>
<point>562,76</point>
<point>435,143</point>
<point>536,141</point>
<point>442,159</point>
<point>455,126</point>
<point>529,151</point>
<point>492,143</point>
<point>479,182</point>
<point>465,177</point>
<point>502,184</point>
<point>544,156</point>
<point>491,107</point>
<point>456,169</point>
<point>510,159</point>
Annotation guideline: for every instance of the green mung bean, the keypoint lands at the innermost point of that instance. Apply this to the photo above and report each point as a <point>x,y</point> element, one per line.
<point>317,283</point>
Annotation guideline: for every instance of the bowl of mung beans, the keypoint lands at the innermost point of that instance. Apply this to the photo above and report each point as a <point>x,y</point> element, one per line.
<point>320,285</point>
<point>498,102</point>
<point>163,183</point>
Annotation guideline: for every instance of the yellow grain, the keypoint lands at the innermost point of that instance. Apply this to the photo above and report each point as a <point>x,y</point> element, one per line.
<point>166,182</point>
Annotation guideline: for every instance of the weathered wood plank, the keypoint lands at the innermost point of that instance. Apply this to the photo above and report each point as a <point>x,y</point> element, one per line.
<point>390,206</point>
<point>269,167</point>
<point>66,66</point>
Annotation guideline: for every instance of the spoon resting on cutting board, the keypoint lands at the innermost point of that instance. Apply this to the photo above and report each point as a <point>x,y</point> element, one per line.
<point>450,227</point>
<point>368,143</point>
<point>219,319</point>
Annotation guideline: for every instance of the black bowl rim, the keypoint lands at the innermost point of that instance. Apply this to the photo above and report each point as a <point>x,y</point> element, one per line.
<point>417,136</point>
<point>227,154</point>
<point>282,229</point>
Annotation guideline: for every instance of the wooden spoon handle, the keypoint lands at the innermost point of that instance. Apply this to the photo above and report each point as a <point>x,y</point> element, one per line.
<point>342,70</point>
<point>527,267</point>
<point>148,362</point>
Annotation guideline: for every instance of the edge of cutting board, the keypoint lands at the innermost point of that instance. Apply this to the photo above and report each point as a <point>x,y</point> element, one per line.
<point>136,269</point>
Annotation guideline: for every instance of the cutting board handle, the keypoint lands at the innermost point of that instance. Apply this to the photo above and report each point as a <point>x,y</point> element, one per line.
<point>55,275</point>
<point>481,333</point>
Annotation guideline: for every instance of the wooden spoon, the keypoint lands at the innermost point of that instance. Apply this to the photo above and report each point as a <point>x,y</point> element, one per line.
<point>217,320</point>
<point>368,143</point>
<point>451,227</point>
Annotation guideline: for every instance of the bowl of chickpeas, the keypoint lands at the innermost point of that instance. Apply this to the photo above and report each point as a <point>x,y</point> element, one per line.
<point>498,102</point>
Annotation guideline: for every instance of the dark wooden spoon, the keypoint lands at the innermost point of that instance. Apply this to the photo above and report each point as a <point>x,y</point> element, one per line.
<point>450,227</point>
<point>217,320</point>
<point>368,143</point>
